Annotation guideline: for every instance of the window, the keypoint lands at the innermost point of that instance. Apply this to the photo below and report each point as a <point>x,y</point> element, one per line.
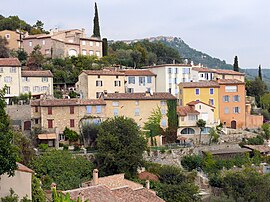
<point>83,43</point>
<point>88,109</point>
<point>130,90</point>
<point>201,75</point>
<point>116,76</point>
<point>117,83</point>
<point>43,42</point>
<point>12,70</point>
<point>97,53</point>
<point>185,70</point>
<point>91,52</point>
<point>211,91</point>
<point>84,52</point>
<point>175,80</point>
<point>72,124</point>
<point>50,123</point>
<point>188,131</point>
<point>26,89</point>
<point>142,81</point>
<point>137,112</point>
<point>71,109</point>
<point>176,70</point>
<point>36,121</point>
<point>91,43</point>
<point>192,117</point>
<point>181,102</point>
<point>197,91</point>
<point>98,109</point>
<point>163,103</point>
<point>115,104</point>
<point>98,83</point>
<point>184,80</point>
<point>36,109</point>
<point>230,88</point>
<point>131,79</point>
<point>170,80</point>
<point>44,88</point>
<point>1,70</point>
<point>7,36</point>
<point>236,110</point>
<point>115,112</point>
<point>70,40</point>
<point>211,101</point>
<point>163,123</point>
<point>170,90</point>
<point>25,79</point>
<point>98,94</point>
<point>44,79</point>
<point>149,79</point>
<point>169,70</point>
<point>49,110</point>
<point>226,110</point>
<point>97,44</point>
<point>236,98</point>
<point>8,79</point>
<point>8,90</point>
<point>163,111</point>
<point>30,43</point>
<point>36,89</point>
<point>176,91</point>
<point>226,98</point>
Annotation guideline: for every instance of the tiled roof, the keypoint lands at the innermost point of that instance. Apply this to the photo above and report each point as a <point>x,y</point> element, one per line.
<point>148,176</point>
<point>260,148</point>
<point>66,102</point>
<point>37,36</point>
<point>169,65</point>
<point>185,110</point>
<point>9,62</point>
<point>228,71</point>
<point>23,168</point>
<point>138,72</point>
<point>104,72</point>
<point>139,96</point>
<point>197,102</point>
<point>203,69</point>
<point>200,84</point>
<point>91,39</point>
<point>230,81</point>
<point>45,73</point>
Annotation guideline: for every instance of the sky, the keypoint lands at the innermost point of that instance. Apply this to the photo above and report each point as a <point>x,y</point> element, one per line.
<point>220,28</point>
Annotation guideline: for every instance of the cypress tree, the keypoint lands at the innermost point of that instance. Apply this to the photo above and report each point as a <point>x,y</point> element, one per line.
<point>260,72</point>
<point>235,65</point>
<point>104,47</point>
<point>96,30</point>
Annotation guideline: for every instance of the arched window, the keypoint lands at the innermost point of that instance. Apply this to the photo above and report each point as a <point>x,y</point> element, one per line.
<point>72,52</point>
<point>188,131</point>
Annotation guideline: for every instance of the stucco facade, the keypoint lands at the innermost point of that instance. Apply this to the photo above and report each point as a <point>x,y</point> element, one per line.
<point>170,75</point>
<point>13,38</point>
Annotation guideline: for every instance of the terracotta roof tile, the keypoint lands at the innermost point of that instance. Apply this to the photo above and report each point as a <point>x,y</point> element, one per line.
<point>168,65</point>
<point>139,96</point>
<point>230,81</point>
<point>200,84</point>
<point>228,71</point>
<point>185,110</point>
<point>260,148</point>
<point>23,168</point>
<point>45,73</point>
<point>9,62</point>
<point>203,69</point>
<point>67,102</point>
<point>197,102</point>
<point>104,72</point>
<point>138,72</point>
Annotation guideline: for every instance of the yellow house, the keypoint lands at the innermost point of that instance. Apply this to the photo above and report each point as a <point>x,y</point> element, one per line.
<point>204,91</point>
<point>92,83</point>
<point>14,38</point>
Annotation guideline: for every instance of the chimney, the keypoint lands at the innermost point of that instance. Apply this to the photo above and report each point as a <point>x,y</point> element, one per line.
<point>147,184</point>
<point>95,176</point>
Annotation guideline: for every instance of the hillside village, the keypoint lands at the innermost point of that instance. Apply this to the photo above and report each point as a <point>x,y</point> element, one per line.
<point>168,131</point>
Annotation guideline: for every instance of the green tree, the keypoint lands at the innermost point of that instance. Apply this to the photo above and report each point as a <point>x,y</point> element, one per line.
<point>89,133</point>
<point>265,100</point>
<point>201,124</point>
<point>192,162</point>
<point>120,146</point>
<point>12,197</point>
<point>96,30</point>
<point>266,130</point>
<point>38,195</point>
<point>63,168</point>
<point>104,47</point>
<point>171,131</point>
<point>153,125</point>
<point>4,51</point>
<point>260,72</point>
<point>13,23</point>
<point>36,59</point>
<point>71,135</point>
<point>235,64</point>
<point>213,136</point>
<point>8,153</point>
<point>257,88</point>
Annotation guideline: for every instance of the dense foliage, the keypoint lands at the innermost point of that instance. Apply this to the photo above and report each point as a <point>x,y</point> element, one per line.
<point>71,135</point>
<point>120,147</point>
<point>4,51</point>
<point>8,153</point>
<point>62,168</point>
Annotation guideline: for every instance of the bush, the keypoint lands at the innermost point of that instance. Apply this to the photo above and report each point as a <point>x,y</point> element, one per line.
<point>192,162</point>
<point>71,135</point>
<point>43,147</point>
<point>77,148</point>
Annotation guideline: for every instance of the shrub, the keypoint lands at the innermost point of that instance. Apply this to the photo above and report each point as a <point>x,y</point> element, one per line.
<point>71,135</point>
<point>43,147</point>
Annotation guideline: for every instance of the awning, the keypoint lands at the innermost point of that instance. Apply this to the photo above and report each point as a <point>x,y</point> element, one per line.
<point>51,136</point>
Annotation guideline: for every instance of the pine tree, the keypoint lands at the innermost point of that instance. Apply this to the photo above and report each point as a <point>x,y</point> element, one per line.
<point>235,65</point>
<point>96,30</point>
<point>104,47</point>
<point>260,72</point>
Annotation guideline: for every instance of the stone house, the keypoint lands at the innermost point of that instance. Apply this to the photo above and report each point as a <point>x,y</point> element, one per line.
<point>14,38</point>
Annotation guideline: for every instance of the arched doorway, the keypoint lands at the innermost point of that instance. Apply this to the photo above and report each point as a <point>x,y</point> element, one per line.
<point>233,124</point>
<point>188,131</point>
